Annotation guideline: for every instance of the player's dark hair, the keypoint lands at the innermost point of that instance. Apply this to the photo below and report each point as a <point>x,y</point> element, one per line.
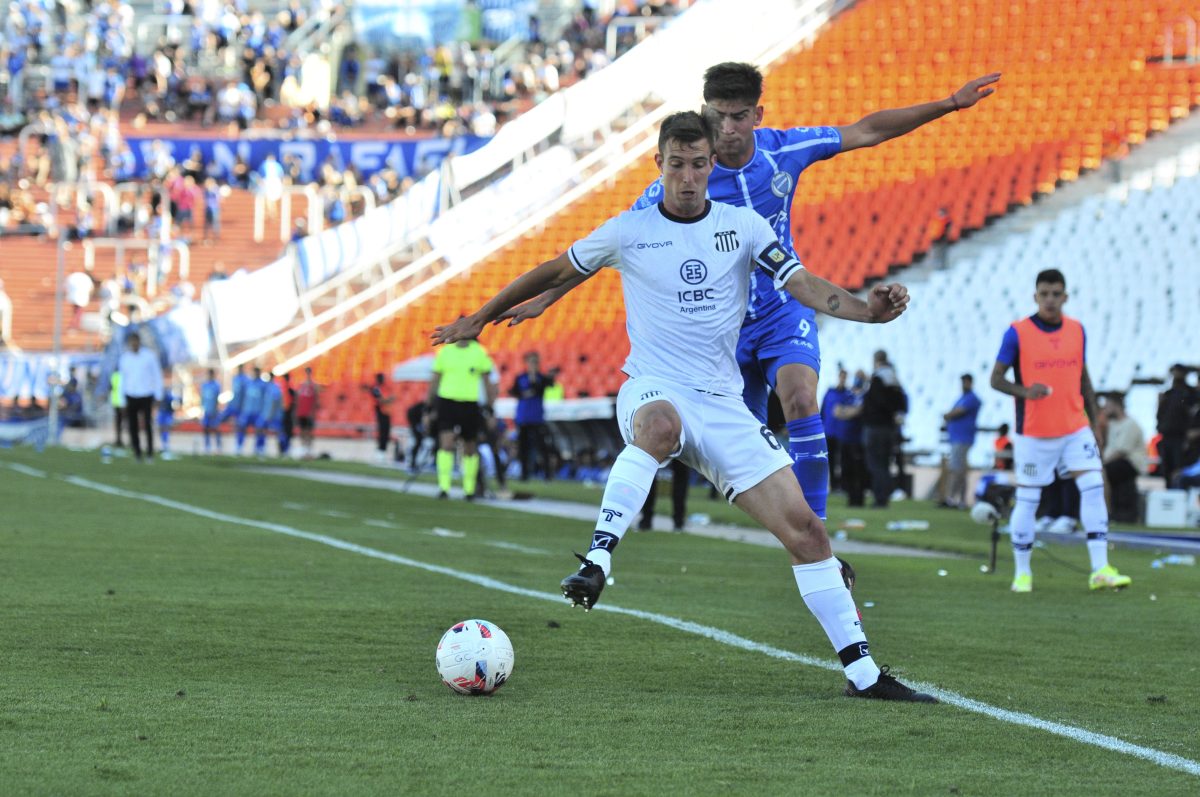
<point>733,81</point>
<point>1051,276</point>
<point>686,127</point>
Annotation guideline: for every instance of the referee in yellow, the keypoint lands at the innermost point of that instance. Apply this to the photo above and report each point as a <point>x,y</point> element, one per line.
<point>460,377</point>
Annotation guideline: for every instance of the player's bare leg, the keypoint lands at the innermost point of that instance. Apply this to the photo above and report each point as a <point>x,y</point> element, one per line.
<point>778,504</point>
<point>656,435</point>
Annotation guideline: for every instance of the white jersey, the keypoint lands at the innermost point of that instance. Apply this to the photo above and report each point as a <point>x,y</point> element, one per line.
<point>686,283</point>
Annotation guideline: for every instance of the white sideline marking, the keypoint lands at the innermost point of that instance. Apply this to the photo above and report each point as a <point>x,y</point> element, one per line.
<point>28,471</point>
<point>1162,759</point>
<point>513,546</point>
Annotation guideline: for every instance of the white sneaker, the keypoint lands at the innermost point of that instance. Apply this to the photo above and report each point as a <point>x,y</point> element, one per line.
<point>1063,525</point>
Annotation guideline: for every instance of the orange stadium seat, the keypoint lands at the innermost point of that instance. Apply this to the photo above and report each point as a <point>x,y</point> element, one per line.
<point>1074,73</point>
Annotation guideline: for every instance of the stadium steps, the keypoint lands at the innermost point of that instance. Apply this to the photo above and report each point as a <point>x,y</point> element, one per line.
<point>27,266</point>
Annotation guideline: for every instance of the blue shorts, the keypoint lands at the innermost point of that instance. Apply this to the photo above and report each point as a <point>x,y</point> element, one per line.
<point>211,420</point>
<point>788,335</point>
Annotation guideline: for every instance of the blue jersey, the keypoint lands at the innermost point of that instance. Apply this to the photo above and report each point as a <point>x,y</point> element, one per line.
<point>766,184</point>
<point>252,398</point>
<point>210,393</point>
<point>272,403</point>
<point>239,391</point>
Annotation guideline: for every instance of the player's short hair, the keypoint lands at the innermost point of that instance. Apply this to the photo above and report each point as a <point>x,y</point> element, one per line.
<point>1050,276</point>
<point>686,127</point>
<point>733,81</point>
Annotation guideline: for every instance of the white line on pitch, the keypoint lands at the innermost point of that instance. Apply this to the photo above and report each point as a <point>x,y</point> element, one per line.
<point>1159,757</point>
<point>28,471</point>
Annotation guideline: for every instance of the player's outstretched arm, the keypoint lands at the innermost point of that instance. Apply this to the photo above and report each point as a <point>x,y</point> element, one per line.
<point>549,275</point>
<point>884,303</point>
<point>880,126</point>
<point>535,307</point>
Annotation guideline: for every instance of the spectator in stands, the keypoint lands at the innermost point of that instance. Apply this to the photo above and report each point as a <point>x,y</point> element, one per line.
<point>529,390</point>
<point>1124,459</point>
<point>213,194</point>
<point>460,375</point>
<point>78,288</point>
<point>1002,449</point>
<point>960,429</point>
<point>680,481</point>
<point>142,383</point>
<point>1177,412</point>
<point>882,410</point>
<point>307,402</point>
<point>381,401</point>
<point>271,184</point>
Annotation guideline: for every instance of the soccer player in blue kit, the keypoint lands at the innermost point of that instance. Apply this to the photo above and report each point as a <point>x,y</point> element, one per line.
<point>758,168</point>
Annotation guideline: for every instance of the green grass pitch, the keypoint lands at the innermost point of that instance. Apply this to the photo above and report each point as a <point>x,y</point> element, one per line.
<point>147,648</point>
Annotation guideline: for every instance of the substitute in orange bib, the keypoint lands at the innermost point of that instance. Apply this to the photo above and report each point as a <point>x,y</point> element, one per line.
<point>1055,400</point>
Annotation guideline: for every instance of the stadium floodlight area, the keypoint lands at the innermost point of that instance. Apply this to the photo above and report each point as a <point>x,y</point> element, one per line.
<point>1129,256</point>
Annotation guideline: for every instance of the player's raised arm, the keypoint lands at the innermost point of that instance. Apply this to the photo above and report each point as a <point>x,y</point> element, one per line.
<point>551,274</point>
<point>875,128</point>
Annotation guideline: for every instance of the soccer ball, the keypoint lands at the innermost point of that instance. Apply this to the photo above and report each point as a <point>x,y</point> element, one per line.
<point>474,657</point>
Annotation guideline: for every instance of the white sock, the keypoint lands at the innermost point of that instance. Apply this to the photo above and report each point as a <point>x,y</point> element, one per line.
<point>826,596</point>
<point>1093,516</point>
<point>624,494</point>
<point>1021,528</point>
<point>1097,546</point>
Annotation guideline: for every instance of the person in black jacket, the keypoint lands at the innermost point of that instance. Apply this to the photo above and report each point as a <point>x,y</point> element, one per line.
<point>883,408</point>
<point>1177,407</point>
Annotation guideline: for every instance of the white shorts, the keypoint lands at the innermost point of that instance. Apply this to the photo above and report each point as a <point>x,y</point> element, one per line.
<point>1037,459</point>
<point>721,438</point>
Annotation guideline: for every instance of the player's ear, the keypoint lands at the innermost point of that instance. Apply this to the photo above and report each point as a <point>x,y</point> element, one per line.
<point>758,115</point>
<point>658,161</point>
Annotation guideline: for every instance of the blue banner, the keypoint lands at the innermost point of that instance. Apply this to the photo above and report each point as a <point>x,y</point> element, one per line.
<point>28,375</point>
<point>409,157</point>
<point>414,25</point>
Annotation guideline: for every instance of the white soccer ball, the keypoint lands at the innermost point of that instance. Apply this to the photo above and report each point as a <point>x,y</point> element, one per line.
<point>474,657</point>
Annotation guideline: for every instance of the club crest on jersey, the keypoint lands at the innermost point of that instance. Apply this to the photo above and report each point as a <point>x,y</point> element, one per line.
<point>693,272</point>
<point>726,241</point>
<point>782,184</point>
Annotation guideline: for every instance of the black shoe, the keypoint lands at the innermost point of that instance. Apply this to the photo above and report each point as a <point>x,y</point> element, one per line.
<point>443,495</point>
<point>583,587</point>
<point>888,688</point>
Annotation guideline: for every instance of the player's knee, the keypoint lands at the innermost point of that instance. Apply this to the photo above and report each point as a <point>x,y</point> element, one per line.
<point>658,433</point>
<point>798,400</point>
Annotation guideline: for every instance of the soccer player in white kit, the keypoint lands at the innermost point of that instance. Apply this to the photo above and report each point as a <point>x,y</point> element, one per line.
<point>685,266</point>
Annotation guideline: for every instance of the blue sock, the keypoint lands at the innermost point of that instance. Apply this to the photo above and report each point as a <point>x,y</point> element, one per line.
<point>810,460</point>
